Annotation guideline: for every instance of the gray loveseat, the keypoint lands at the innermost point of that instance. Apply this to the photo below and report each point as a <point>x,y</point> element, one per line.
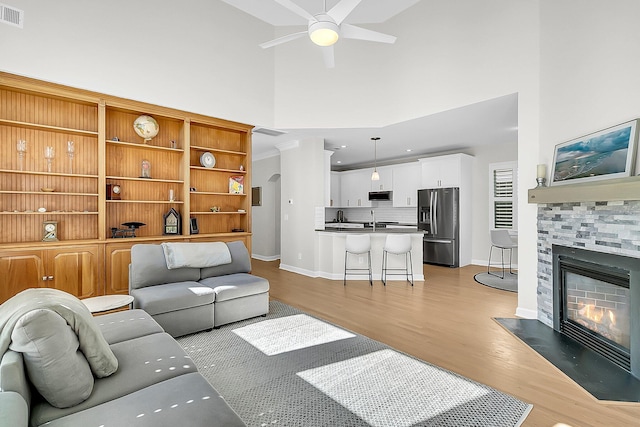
<point>150,379</point>
<point>192,298</point>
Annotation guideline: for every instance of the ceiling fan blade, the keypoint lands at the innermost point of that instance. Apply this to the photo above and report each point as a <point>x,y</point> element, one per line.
<point>283,39</point>
<point>342,10</point>
<point>352,32</point>
<point>296,9</point>
<point>329,59</point>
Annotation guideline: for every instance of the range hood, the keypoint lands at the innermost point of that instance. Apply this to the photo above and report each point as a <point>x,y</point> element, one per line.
<point>381,195</point>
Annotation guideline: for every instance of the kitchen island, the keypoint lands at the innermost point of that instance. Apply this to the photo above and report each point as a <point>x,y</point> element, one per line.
<point>330,253</point>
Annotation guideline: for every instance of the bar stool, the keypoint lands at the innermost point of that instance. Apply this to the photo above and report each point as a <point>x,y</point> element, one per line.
<point>357,244</point>
<point>502,240</point>
<point>397,244</point>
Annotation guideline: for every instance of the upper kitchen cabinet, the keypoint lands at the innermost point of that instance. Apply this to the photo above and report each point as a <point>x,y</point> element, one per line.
<point>385,182</point>
<point>446,171</point>
<point>406,182</point>
<point>335,189</point>
<point>354,187</point>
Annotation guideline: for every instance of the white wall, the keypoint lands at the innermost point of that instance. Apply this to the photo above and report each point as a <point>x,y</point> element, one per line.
<point>302,182</point>
<point>481,224</point>
<point>193,55</point>
<point>265,219</point>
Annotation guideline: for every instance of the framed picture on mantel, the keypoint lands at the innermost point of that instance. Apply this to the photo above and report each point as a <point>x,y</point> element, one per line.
<point>607,154</point>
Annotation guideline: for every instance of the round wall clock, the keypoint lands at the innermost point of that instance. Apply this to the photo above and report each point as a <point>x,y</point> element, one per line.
<point>207,160</point>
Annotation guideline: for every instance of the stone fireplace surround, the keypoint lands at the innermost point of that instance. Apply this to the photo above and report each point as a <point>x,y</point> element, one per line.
<point>580,222</point>
<point>608,227</point>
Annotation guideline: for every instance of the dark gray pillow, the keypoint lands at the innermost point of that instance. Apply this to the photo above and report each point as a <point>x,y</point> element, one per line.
<point>54,364</point>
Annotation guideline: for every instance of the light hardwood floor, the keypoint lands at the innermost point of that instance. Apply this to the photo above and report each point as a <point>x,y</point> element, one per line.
<point>448,320</point>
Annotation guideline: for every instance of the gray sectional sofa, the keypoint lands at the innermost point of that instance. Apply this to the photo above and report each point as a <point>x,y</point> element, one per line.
<point>201,290</point>
<point>138,375</point>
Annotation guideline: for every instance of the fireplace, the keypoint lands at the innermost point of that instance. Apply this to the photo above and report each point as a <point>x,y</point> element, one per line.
<point>597,303</point>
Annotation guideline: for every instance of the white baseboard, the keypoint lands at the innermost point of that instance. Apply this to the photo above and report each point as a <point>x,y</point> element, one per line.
<point>265,258</point>
<point>328,276</point>
<point>483,262</point>
<point>525,313</point>
<point>298,270</point>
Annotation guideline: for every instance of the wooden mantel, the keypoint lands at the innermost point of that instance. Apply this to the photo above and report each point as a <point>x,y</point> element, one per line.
<point>597,191</point>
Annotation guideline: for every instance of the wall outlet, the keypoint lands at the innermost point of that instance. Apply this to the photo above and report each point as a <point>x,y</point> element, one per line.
<point>299,255</point>
<point>360,260</point>
<point>286,217</point>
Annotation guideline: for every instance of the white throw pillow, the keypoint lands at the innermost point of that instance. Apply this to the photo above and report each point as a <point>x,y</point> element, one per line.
<point>54,364</point>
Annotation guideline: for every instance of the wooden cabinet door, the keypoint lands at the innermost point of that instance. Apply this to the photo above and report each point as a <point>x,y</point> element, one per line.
<point>20,271</point>
<point>75,270</point>
<point>118,258</point>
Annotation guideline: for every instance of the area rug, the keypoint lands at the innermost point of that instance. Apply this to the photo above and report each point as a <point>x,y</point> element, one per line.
<point>509,283</point>
<point>291,369</point>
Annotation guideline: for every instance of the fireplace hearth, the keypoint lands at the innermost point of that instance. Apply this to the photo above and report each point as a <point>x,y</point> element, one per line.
<point>597,301</point>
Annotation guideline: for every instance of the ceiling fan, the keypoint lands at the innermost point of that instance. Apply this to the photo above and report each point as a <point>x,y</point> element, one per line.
<point>324,29</point>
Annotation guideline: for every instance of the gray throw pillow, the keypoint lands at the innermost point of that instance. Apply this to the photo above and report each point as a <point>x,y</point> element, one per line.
<point>54,364</point>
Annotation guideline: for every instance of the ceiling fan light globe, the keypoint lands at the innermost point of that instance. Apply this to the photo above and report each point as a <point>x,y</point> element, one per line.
<point>324,33</point>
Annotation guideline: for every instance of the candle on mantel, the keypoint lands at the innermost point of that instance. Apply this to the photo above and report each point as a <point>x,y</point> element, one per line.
<point>542,171</point>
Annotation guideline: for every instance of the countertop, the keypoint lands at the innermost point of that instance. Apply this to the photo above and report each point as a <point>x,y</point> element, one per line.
<point>371,230</point>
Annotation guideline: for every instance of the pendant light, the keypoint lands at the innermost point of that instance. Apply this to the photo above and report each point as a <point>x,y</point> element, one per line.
<point>375,176</point>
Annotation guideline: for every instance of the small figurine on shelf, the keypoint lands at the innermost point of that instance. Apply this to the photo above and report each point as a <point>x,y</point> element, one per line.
<point>172,144</point>
<point>145,169</point>
<point>241,167</point>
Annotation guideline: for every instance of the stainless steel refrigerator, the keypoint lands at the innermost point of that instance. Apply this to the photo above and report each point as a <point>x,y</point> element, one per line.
<point>439,217</point>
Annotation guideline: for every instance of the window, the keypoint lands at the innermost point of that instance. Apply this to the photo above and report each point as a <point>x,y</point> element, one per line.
<point>504,195</point>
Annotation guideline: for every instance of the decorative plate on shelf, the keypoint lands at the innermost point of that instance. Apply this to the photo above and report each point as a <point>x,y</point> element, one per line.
<point>146,127</point>
<point>207,160</point>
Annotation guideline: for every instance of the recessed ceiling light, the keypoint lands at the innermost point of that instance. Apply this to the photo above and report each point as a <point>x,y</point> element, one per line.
<point>409,150</point>
<point>339,161</point>
<point>343,146</point>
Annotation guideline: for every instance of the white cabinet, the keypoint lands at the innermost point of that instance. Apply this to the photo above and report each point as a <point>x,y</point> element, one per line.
<point>453,171</point>
<point>385,183</point>
<point>406,181</point>
<point>445,171</point>
<point>335,193</point>
<point>354,188</point>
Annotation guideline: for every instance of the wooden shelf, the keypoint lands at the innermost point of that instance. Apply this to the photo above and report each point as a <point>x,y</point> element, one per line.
<point>129,178</point>
<point>48,193</point>
<point>71,175</point>
<point>211,193</point>
<point>165,202</point>
<point>619,189</point>
<point>218,213</point>
<point>215,150</point>
<point>144,146</point>
<point>48,128</point>
<point>218,170</point>
<point>49,213</point>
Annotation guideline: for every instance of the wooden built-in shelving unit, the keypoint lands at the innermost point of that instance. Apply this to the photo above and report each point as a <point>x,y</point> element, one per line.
<point>87,260</point>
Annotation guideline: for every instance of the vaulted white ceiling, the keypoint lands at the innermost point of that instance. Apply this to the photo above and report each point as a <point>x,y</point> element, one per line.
<point>493,121</point>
